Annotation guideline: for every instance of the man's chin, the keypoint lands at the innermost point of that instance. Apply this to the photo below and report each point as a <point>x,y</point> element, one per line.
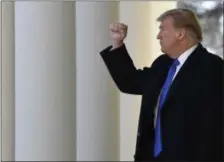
<point>165,52</point>
<point>162,50</point>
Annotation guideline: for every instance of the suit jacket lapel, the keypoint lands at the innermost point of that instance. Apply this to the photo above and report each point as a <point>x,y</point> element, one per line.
<point>155,86</point>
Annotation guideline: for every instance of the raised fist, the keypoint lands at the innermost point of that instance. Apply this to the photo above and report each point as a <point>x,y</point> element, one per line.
<point>118,33</point>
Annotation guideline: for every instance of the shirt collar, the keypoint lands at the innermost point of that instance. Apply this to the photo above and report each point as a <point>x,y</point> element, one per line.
<point>183,57</point>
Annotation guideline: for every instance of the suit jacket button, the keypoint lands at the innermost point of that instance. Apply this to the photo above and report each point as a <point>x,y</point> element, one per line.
<point>138,134</point>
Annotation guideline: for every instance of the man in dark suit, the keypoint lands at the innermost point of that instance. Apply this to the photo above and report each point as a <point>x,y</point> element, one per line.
<point>182,110</point>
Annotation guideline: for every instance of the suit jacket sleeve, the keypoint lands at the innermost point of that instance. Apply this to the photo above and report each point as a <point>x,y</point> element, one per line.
<point>121,67</point>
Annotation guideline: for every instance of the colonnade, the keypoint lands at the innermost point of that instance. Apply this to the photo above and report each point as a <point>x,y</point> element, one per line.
<point>58,100</point>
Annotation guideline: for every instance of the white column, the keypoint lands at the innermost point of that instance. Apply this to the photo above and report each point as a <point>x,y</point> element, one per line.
<point>97,97</point>
<point>156,9</point>
<point>1,83</point>
<point>136,16</point>
<point>7,82</point>
<point>144,48</point>
<point>45,81</point>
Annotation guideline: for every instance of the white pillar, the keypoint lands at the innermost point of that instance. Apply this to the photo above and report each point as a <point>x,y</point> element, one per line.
<point>156,9</point>
<point>7,82</point>
<point>45,81</point>
<point>144,48</point>
<point>97,97</point>
<point>136,16</point>
<point>1,83</point>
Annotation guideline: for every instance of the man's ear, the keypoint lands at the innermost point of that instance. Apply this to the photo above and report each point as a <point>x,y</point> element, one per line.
<point>181,33</point>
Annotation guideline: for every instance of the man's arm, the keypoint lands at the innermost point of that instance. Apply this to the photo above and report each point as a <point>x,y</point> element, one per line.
<point>121,67</point>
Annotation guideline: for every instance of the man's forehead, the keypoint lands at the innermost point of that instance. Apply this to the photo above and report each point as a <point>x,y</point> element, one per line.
<point>166,21</point>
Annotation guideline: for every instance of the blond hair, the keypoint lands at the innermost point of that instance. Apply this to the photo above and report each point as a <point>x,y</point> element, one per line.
<point>184,18</point>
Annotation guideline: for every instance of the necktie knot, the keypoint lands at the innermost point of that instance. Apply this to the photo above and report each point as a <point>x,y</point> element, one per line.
<point>175,63</point>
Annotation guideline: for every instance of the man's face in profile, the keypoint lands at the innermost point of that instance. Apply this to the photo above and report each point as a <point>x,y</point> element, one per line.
<point>167,35</point>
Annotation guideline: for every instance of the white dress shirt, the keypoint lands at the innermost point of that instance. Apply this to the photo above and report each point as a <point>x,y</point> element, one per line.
<point>182,58</point>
